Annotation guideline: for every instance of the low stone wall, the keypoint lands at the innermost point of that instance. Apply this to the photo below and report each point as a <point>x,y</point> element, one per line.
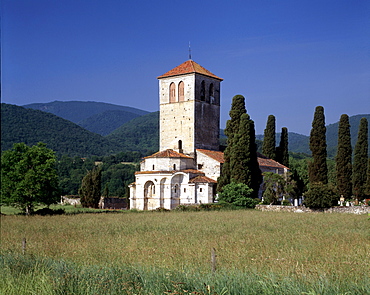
<point>302,209</point>
<point>70,200</point>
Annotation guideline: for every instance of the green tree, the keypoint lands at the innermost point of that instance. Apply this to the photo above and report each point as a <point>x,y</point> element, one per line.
<point>360,160</point>
<point>90,190</point>
<point>269,141</point>
<point>238,194</point>
<point>232,127</point>
<point>277,186</point>
<point>344,159</point>
<point>273,187</point>
<point>367,186</point>
<point>299,169</point>
<point>29,177</point>
<point>320,196</point>
<point>282,153</point>
<point>243,159</point>
<point>317,169</point>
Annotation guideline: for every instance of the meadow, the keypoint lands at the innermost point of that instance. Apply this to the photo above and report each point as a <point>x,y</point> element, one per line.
<point>170,253</point>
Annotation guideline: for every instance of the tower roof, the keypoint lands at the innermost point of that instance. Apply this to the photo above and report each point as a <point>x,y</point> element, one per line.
<point>169,153</point>
<point>189,67</point>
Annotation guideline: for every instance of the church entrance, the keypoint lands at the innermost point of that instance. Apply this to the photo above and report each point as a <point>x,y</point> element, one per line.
<point>149,192</point>
<point>176,182</point>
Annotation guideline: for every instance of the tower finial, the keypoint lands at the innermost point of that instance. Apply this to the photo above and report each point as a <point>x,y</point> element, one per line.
<point>189,51</point>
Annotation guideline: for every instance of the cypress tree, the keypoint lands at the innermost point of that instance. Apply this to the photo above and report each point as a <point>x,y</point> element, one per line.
<point>360,160</point>
<point>239,170</point>
<point>269,141</point>
<point>318,169</point>
<point>282,154</point>
<point>90,190</point>
<point>243,161</point>
<point>232,127</point>
<point>256,174</point>
<point>367,186</point>
<point>344,158</point>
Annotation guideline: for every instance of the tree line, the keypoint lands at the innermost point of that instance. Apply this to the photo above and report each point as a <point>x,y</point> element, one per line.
<point>34,175</point>
<point>322,182</point>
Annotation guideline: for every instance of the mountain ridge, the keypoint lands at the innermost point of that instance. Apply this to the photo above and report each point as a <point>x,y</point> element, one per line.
<point>141,132</point>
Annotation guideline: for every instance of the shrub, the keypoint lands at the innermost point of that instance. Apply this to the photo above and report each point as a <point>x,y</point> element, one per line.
<point>237,194</point>
<point>320,196</point>
<point>286,203</point>
<point>49,211</point>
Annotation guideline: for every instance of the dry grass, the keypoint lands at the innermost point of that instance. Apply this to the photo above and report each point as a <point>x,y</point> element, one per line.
<point>287,244</point>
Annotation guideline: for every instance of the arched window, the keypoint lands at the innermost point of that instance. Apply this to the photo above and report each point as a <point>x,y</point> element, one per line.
<point>172,92</point>
<point>212,94</point>
<point>180,144</point>
<point>203,91</point>
<point>174,166</point>
<point>181,91</point>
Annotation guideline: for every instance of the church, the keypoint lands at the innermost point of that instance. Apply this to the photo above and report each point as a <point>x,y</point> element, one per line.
<point>186,168</point>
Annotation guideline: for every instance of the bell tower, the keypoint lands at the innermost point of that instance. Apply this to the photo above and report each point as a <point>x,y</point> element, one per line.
<point>189,99</point>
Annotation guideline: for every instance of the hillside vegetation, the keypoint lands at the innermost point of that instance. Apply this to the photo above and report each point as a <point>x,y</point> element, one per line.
<point>76,111</point>
<point>19,124</point>
<point>140,134</point>
<point>124,128</point>
<point>106,122</point>
<point>332,133</point>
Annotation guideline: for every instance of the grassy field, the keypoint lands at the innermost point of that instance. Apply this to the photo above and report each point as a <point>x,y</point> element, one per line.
<point>311,253</point>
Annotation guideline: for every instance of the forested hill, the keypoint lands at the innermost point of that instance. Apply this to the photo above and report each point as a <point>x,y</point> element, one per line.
<point>140,134</point>
<point>30,126</point>
<point>75,111</point>
<point>332,133</point>
<point>106,122</point>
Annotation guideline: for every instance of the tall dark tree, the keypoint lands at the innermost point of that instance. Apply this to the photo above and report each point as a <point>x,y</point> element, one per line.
<point>360,160</point>
<point>282,153</point>
<point>344,158</point>
<point>90,191</point>
<point>318,169</point>
<point>269,140</point>
<point>367,186</point>
<point>232,127</point>
<point>243,161</point>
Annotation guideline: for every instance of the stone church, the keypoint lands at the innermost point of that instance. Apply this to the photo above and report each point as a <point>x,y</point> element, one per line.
<point>186,168</point>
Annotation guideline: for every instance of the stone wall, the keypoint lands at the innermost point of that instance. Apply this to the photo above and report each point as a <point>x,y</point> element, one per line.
<point>302,209</point>
<point>70,200</point>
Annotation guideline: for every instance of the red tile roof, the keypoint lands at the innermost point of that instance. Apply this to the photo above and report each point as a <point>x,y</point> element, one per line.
<point>193,171</point>
<point>168,154</point>
<point>216,155</point>
<point>202,179</point>
<point>266,162</point>
<point>189,67</point>
<point>262,160</point>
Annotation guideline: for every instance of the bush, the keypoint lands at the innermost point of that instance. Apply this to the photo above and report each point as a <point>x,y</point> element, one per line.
<point>237,194</point>
<point>161,209</point>
<point>49,211</point>
<point>320,196</point>
<point>286,203</point>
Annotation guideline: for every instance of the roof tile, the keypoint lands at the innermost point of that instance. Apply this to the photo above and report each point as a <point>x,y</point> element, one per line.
<point>189,67</point>
<point>216,155</point>
<point>168,154</point>
<point>202,179</point>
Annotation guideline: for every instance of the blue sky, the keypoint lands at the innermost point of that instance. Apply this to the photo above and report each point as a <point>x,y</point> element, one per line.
<point>285,57</point>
